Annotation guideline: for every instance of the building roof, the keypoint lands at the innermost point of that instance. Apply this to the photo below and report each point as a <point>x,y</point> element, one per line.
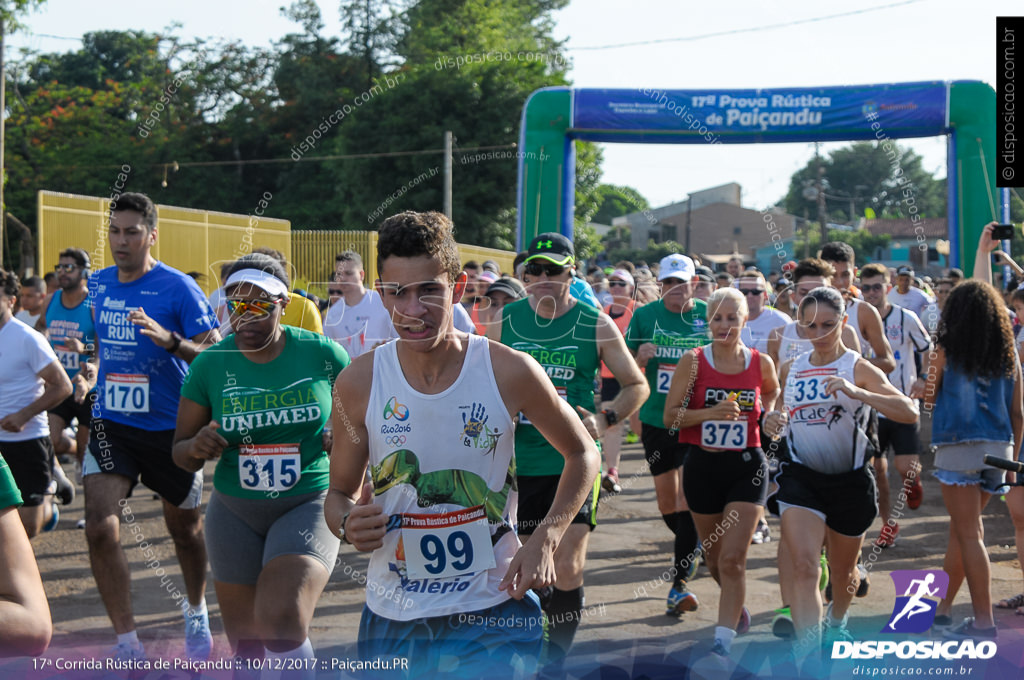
<point>931,227</point>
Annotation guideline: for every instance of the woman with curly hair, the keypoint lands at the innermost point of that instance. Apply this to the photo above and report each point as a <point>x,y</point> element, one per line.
<point>973,381</point>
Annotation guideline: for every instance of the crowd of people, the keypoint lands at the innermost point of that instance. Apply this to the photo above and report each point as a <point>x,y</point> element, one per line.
<point>451,419</point>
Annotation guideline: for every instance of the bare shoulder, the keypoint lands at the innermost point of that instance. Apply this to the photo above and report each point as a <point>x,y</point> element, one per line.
<point>767,363</point>
<point>507,362</point>
<point>356,378</point>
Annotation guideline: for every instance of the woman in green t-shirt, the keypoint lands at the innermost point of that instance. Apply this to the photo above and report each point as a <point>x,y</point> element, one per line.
<point>257,403</point>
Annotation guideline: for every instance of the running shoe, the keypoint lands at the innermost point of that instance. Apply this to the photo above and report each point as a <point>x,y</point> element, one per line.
<point>632,437</point>
<point>610,482</point>
<point>762,534</point>
<point>719,649</point>
<point>680,600</point>
<point>942,623</point>
<point>65,490</point>
<point>915,494</point>
<point>52,524</point>
<point>865,581</point>
<point>198,640</point>
<point>824,580</point>
<point>743,625</point>
<point>782,624</point>
<point>887,536</point>
<point>127,653</point>
<point>834,632</point>
<point>689,572</point>
<point>968,631</point>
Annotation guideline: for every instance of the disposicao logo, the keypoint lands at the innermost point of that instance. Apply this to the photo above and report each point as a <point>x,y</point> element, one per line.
<point>393,409</point>
<point>914,611</point>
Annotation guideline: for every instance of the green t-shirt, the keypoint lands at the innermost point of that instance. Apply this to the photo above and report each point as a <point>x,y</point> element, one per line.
<point>10,496</point>
<point>567,349</point>
<point>673,334</point>
<point>272,415</point>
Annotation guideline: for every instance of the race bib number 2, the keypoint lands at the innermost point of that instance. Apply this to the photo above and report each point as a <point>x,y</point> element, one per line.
<point>126,393</point>
<point>450,544</point>
<point>665,372</point>
<point>723,434</point>
<point>269,467</point>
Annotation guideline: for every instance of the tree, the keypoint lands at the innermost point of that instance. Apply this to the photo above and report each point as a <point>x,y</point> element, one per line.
<point>871,175</point>
<point>616,201</point>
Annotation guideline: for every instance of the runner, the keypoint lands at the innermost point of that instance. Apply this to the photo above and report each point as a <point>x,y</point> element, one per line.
<point>435,426</point>
<point>271,552</point>
<point>763,318</point>
<point>31,381</point>
<point>906,295</point>
<point>907,336</point>
<point>570,339</point>
<point>827,491</point>
<point>25,625</point>
<point>620,310</point>
<point>658,335</point>
<point>151,321</point>
<point>715,402</point>
<point>358,321</point>
<point>67,321</point>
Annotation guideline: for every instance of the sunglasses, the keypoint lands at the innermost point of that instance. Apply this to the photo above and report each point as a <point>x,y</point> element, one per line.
<point>752,291</point>
<point>871,287</point>
<point>65,268</point>
<point>334,292</point>
<point>258,308</point>
<point>618,283</point>
<point>536,269</point>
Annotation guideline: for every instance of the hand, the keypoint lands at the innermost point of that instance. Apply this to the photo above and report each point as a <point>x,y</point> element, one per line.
<point>1003,258</point>
<point>14,422</point>
<point>80,388</point>
<point>533,566</point>
<point>366,522</point>
<point>645,353</point>
<point>327,437</point>
<point>151,329</point>
<point>74,345</point>
<point>208,444</point>
<point>985,242</point>
<point>917,389</point>
<point>590,421</point>
<point>834,384</point>
<point>775,423</point>
<point>724,410</point>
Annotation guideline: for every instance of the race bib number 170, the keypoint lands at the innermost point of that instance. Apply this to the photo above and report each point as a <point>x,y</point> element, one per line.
<point>126,393</point>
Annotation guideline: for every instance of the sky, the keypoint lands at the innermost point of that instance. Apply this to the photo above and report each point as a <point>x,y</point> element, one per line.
<point>671,44</point>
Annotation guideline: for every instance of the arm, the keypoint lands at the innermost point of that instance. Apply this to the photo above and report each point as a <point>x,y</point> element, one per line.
<point>850,339</point>
<point>873,331</point>
<point>982,259</point>
<point>350,454</point>
<point>1017,413</point>
<point>189,348</point>
<point>774,422</point>
<point>678,416</point>
<point>25,625</point>
<point>933,368</point>
<point>1003,258</point>
<point>775,343</point>
<point>525,387</point>
<point>56,388</point>
<point>612,349</point>
<point>875,390</point>
<point>770,389</point>
<point>196,439</point>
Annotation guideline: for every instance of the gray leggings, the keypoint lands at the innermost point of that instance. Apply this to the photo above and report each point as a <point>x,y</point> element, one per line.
<point>243,534</point>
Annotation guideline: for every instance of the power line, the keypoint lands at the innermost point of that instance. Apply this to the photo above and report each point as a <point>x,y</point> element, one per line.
<point>302,159</point>
<point>753,29</point>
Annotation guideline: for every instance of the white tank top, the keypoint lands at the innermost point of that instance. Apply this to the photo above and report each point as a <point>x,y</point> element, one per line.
<point>443,468</point>
<point>792,345</point>
<point>825,433</point>
<point>853,320</point>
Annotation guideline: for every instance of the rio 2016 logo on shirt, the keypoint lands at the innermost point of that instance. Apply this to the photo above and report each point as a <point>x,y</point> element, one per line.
<point>393,409</point>
<point>914,611</point>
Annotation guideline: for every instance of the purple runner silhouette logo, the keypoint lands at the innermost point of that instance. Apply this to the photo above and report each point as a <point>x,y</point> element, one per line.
<point>914,611</point>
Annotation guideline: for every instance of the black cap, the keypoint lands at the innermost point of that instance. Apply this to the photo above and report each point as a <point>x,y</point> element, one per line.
<point>508,286</point>
<point>704,274</point>
<point>905,271</point>
<point>552,247</point>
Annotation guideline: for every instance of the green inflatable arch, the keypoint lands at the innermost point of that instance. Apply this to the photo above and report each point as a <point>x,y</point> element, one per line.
<point>963,110</point>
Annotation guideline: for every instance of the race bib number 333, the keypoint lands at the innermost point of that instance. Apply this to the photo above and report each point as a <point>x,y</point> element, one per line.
<point>445,545</point>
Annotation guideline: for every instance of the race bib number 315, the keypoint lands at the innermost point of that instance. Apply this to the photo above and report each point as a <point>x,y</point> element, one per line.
<point>269,467</point>
<point>450,544</point>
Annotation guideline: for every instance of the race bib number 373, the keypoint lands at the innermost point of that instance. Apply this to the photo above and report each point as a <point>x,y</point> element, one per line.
<point>450,544</point>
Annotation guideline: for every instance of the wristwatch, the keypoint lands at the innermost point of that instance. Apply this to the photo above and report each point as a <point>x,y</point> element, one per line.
<point>610,416</point>
<point>341,530</point>
<point>177,339</point>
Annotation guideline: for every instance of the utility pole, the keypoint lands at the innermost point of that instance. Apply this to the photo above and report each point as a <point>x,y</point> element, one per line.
<point>819,185</point>
<point>448,174</point>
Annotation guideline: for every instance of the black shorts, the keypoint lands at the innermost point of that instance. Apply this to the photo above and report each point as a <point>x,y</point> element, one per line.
<point>662,449</point>
<point>536,494</point>
<point>31,463</point>
<point>69,410</point>
<point>610,389</point>
<point>140,454</point>
<point>905,438</point>
<point>848,501</point>
<point>874,449</point>
<point>712,479</point>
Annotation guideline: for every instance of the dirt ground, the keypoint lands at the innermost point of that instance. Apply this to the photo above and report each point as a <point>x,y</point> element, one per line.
<point>624,632</point>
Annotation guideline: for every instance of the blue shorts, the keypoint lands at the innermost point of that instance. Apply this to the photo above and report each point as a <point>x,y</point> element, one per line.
<point>504,639</point>
<point>991,479</point>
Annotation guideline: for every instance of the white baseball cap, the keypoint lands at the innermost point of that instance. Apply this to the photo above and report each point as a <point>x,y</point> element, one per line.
<point>259,278</point>
<point>676,266</point>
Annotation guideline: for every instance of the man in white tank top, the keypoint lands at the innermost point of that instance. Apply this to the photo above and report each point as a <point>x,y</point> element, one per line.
<point>447,575</point>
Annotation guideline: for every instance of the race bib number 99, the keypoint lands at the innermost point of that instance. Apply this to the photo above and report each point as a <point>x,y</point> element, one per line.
<point>126,393</point>
<point>269,467</point>
<point>665,372</point>
<point>723,434</point>
<point>450,544</point>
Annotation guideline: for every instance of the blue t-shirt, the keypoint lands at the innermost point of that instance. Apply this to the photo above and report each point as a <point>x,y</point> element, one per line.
<point>139,381</point>
<point>63,323</point>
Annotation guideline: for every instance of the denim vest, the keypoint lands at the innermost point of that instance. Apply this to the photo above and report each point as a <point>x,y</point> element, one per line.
<point>972,409</point>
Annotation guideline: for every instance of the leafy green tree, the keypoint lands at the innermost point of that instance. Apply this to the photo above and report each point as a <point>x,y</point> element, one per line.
<point>616,201</point>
